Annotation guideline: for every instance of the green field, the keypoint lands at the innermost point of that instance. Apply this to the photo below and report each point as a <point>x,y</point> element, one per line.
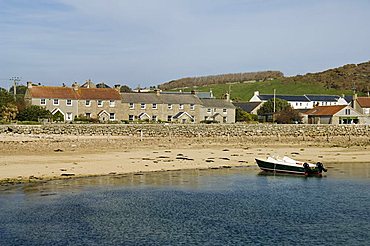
<point>244,91</point>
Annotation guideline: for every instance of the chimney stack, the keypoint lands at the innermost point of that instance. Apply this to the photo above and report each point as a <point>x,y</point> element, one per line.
<point>29,84</point>
<point>117,87</point>
<point>75,86</point>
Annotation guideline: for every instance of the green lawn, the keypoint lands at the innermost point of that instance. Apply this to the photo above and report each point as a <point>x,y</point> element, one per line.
<point>244,91</point>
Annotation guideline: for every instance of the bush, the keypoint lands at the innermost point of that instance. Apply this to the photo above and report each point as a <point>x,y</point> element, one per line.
<point>33,113</point>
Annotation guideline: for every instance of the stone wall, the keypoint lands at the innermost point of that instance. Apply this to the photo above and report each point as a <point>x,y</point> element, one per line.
<point>191,131</point>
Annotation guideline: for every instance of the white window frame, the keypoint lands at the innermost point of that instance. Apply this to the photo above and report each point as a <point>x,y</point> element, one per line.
<point>169,118</point>
<point>69,104</point>
<point>224,110</point>
<point>209,110</point>
<point>55,102</point>
<point>88,103</point>
<point>131,106</point>
<point>192,106</point>
<point>155,106</point>
<point>110,116</point>
<point>100,103</point>
<point>154,118</point>
<point>181,106</point>
<point>88,115</point>
<point>131,117</point>
<point>169,106</point>
<point>112,103</point>
<point>42,101</point>
<point>142,106</point>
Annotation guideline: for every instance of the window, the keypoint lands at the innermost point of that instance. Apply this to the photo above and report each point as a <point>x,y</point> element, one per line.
<point>112,116</point>
<point>154,106</point>
<point>154,118</point>
<point>142,105</point>
<point>87,103</point>
<point>42,101</point>
<point>131,106</point>
<point>192,106</point>
<point>131,117</point>
<point>348,111</point>
<point>181,106</point>
<point>300,104</point>
<point>224,119</point>
<point>169,106</point>
<point>55,101</point>
<point>69,102</point>
<point>100,103</point>
<point>112,103</point>
<point>169,118</point>
<point>88,115</point>
<point>209,110</point>
<point>224,110</point>
<point>69,116</point>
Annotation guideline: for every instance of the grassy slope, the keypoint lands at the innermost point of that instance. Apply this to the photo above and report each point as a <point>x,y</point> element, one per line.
<point>244,91</point>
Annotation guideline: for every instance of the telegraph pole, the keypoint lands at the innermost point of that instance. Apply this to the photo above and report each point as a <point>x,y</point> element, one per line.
<point>15,80</point>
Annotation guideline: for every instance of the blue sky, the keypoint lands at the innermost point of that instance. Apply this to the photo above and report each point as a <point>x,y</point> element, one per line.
<point>147,42</point>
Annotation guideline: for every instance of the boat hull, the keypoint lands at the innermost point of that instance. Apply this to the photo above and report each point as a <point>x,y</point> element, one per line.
<point>281,168</point>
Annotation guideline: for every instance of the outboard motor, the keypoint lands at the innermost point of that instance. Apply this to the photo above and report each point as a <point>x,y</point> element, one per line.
<point>321,167</point>
<point>306,167</point>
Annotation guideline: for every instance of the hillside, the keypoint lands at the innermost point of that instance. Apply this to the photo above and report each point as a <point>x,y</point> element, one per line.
<point>347,77</point>
<point>337,81</point>
<point>220,79</point>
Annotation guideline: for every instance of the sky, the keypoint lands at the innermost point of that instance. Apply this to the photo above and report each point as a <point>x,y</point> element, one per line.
<point>148,42</point>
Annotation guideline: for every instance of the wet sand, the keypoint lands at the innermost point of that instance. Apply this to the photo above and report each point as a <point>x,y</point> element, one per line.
<point>35,158</point>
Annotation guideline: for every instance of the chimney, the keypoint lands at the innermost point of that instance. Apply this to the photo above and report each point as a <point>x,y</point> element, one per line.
<point>354,99</point>
<point>75,86</point>
<point>117,87</point>
<point>193,92</point>
<point>157,92</point>
<point>227,97</point>
<point>29,84</point>
<point>256,93</point>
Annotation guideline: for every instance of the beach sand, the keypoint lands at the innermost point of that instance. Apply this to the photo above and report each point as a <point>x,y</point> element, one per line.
<point>35,158</point>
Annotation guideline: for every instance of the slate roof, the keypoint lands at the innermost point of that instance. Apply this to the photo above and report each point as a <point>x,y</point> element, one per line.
<point>364,102</point>
<point>323,98</point>
<point>247,106</point>
<point>201,95</point>
<point>216,103</point>
<point>289,98</point>
<point>58,92</point>
<point>160,99</point>
<point>325,110</point>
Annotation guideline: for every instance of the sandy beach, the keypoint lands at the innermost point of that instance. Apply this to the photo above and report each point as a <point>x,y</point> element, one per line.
<point>35,158</point>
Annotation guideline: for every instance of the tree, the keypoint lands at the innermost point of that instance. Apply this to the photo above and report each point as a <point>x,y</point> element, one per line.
<point>33,113</point>
<point>8,112</point>
<point>125,88</point>
<point>288,116</point>
<point>268,107</point>
<point>5,97</point>
<point>243,116</point>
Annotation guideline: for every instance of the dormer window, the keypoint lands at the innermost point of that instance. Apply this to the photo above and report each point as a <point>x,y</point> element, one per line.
<point>55,101</point>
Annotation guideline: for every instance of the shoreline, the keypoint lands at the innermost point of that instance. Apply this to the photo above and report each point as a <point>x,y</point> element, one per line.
<point>43,158</point>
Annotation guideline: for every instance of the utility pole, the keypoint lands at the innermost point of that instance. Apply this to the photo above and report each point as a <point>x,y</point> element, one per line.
<point>15,80</point>
<point>274,100</point>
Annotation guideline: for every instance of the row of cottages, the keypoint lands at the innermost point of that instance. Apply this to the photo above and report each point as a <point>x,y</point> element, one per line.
<point>302,102</point>
<point>108,104</point>
<point>319,109</point>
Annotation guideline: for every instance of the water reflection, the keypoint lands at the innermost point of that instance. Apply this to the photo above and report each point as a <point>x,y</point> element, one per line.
<point>187,179</point>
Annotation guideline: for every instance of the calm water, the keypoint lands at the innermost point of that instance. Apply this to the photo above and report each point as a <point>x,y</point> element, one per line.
<point>210,207</point>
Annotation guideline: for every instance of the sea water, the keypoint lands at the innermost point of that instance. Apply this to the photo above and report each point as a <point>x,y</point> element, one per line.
<point>237,206</point>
